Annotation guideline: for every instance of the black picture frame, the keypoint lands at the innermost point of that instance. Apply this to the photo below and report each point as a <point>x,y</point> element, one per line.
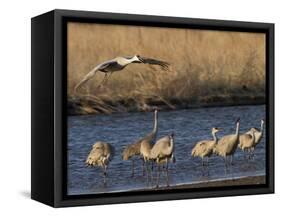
<point>49,107</point>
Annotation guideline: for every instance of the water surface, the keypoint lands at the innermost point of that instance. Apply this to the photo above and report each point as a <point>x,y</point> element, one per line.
<point>189,126</point>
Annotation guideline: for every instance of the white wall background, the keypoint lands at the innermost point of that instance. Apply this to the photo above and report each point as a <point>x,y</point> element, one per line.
<point>15,105</point>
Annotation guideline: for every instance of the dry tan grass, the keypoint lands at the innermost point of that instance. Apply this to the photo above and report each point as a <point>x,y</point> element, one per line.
<point>203,63</point>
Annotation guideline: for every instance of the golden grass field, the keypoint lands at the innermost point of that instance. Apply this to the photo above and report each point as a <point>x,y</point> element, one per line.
<point>207,67</point>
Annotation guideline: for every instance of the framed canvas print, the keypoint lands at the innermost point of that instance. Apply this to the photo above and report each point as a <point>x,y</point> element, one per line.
<point>130,108</point>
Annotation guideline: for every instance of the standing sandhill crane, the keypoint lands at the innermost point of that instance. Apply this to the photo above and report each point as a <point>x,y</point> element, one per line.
<point>100,155</point>
<point>163,152</point>
<point>205,148</point>
<point>247,141</point>
<point>227,145</point>
<point>130,152</point>
<point>258,134</point>
<point>254,137</point>
<point>117,64</point>
<point>145,149</point>
<point>134,149</point>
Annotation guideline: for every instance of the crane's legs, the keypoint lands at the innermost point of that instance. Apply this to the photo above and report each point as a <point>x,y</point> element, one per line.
<point>225,164</point>
<point>133,171</point>
<point>151,169</point>
<point>245,154</point>
<point>151,165</point>
<point>108,77</point>
<point>231,159</point>
<point>253,153</point>
<point>147,170</point>
<point>104,174</point>
<point>206,163</point>
<point>225,161</point>
<point>105,79</point>
<point>143,165</point>
<point>167,172</point>
<point>158,175</point>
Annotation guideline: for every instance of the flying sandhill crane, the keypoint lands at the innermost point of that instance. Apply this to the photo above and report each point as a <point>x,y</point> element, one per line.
<point>117,64</point>
<point>163,152</point>
<point>100,155</point>
<point>134,149</point>
<point>205,148</point>
<point>227,145</point>
<point>247,141</point>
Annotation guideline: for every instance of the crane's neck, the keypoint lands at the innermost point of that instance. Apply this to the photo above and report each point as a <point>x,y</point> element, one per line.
<point>215,137</point>
<point>155,125</point>
<point>171,147</point>
<point>253,136</point>
<point>262,126</point>
<point>237,128</point>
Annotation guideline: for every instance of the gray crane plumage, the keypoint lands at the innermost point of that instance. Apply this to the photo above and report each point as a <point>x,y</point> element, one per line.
<point>100,155</point>
<point>227,145</point>
<point>247,141</point>
<point>258,132</point>
<point>250,139</point>
<point>117,64</point>
<point>135,149</point>
<point>205,148</point>
<point>163,152</point>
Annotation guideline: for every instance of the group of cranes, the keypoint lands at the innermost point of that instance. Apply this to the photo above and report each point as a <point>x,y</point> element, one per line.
<point>151,150</point>
<point>249,144</point>
<point>144,146</point>
<point>161,151</point>
<point>227,145</point>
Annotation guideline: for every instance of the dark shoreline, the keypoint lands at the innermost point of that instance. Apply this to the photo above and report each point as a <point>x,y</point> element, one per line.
<point>253,180</point>
<point>244,181</point>
<point>89,105</point>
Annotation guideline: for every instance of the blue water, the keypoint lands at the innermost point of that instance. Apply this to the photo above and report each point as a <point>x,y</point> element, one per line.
<point>189,126</point>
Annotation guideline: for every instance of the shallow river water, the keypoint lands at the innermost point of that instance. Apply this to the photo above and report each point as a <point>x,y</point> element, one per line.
<point>189,126</point>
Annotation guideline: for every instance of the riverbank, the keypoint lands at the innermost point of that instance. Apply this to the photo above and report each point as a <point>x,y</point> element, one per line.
<point>90,105</point>
<point>253,180</point>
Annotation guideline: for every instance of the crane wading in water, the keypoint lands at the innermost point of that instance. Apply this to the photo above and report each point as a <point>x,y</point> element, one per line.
<point>227,145</point>
<point>205,148</point>
<point>134,149</point>
<point>163,152</point>
<point>250,139</point>
<point>117,64</point>
<point>100,155</point>
<point>247,142</point>
<point>258,134</point>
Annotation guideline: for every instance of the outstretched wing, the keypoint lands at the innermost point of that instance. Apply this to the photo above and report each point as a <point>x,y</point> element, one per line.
<point>151,61</point>
<point>92,73</point>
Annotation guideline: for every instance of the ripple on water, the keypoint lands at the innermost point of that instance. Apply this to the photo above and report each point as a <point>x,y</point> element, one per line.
<point>189,126</point>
